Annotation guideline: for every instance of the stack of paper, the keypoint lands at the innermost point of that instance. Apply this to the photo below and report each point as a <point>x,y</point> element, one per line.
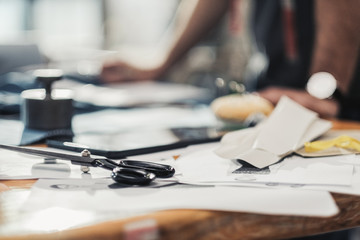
<point>205,167</point>
<point>264,156</point>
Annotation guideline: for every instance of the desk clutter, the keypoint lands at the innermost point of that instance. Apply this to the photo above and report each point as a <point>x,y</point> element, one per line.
<point>257,169</point>
<point>89,94</point>
<point>46,100</point>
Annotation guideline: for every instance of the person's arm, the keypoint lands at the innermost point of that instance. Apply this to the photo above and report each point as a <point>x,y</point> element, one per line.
<point>336,49</point>
<point>194,25</point>
<point>194,20</point>
<point>337,39</point>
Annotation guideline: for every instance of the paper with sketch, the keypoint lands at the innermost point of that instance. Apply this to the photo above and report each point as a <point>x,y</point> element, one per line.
<point>308,171</point>
<point>203,166</point>
<point>353,189</point>
<point>286,130</point>
<point>88,195</point>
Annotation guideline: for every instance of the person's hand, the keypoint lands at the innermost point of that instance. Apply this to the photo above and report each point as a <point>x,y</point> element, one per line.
<point>120,71</point>
<point>327,108</point>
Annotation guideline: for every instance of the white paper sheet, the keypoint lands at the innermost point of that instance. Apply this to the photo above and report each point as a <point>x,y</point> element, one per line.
<point>314,171</point>
<point>11,131</point>
<point>353,189</point>
<point>85,195</point>
<point>205,167</point>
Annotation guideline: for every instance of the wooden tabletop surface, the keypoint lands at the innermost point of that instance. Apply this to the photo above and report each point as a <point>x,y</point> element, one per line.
<point>201,224</point>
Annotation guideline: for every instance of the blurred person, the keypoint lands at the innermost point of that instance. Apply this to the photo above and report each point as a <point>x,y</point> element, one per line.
<point>299,38</point>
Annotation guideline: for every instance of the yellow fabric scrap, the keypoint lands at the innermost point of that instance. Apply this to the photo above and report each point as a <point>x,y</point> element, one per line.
<point>341,142</point>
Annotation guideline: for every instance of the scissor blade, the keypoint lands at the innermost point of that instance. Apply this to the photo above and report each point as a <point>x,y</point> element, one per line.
<point>45,153</point>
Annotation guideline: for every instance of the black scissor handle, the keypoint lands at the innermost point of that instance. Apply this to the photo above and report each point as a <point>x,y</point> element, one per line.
<point>160,170</point>
<point>132,176</point>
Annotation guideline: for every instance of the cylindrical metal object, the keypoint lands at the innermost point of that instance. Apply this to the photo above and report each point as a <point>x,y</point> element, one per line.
<point>47,108</point>
<point>39,111</point>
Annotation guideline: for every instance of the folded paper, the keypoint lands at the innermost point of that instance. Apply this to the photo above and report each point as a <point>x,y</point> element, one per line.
<point>288,127</point>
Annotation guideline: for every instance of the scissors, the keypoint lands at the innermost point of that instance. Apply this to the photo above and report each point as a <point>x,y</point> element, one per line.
<point>130,172</point>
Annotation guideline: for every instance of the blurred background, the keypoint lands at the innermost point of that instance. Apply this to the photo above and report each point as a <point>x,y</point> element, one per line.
<point>75,34</point>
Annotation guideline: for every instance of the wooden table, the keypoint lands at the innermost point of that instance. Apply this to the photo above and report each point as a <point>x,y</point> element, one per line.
<point>201,225</point>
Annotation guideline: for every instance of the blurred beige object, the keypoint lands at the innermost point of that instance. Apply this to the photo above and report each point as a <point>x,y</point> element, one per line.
<point>238,107</point>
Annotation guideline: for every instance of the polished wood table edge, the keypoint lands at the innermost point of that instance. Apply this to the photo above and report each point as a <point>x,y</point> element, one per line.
<point>16,184</point>
<point>202,224</point>
<point>338,124</point>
